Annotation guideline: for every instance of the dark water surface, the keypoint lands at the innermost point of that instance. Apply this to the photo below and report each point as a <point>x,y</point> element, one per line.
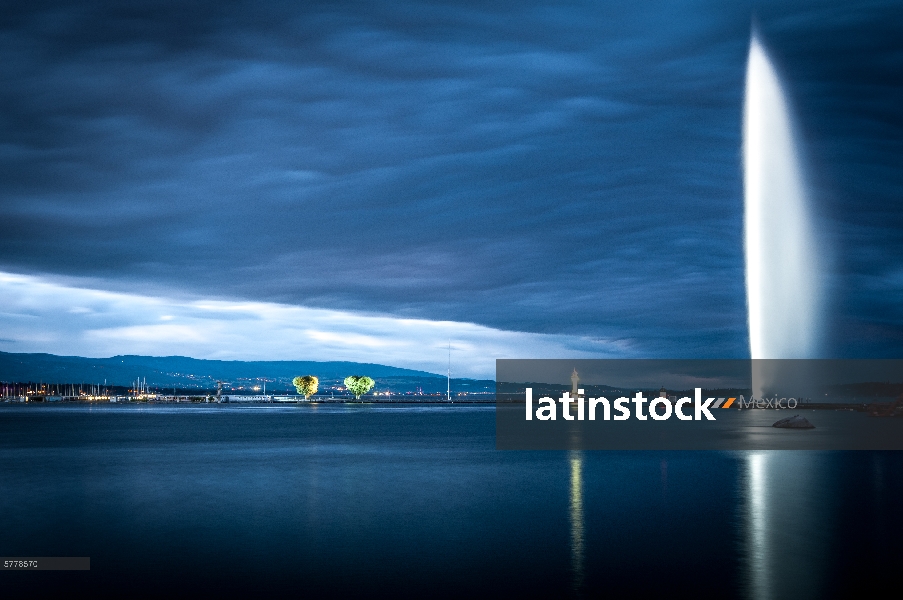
<point>415,501</point>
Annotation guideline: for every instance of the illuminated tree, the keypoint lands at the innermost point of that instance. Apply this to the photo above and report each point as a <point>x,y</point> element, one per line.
<point>359,385</point>
<point>306,385</point>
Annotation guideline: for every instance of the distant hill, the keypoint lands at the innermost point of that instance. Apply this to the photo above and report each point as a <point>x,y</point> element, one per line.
<point>178,370</point>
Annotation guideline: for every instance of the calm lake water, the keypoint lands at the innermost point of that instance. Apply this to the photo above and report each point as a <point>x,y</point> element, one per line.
<point>411,501</point>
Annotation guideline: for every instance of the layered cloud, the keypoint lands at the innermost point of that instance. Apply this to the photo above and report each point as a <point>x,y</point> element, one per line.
<point>39,314</point>
<point>556,169</point>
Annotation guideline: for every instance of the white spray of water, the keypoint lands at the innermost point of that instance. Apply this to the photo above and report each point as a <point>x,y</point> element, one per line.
<point>781,259</point>
<point>783,296</point>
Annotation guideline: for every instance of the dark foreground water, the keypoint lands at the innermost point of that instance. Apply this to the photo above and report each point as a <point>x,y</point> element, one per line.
<point>415,501</point>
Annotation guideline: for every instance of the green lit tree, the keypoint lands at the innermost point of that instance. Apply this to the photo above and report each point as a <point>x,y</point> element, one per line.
<point>359,385</point>
<point>306,385</point>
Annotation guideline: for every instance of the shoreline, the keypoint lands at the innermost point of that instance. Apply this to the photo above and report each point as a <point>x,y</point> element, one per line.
<point>246,402</point>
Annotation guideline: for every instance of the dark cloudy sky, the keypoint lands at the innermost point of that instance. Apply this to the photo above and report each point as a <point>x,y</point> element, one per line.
<point>560,171</point>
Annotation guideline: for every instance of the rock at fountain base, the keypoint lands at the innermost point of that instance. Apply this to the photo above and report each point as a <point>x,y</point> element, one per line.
<point>794,422</point>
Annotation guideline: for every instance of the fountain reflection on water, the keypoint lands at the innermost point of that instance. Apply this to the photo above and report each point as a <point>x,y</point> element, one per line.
<point>756,538</point>
<point>577,520</point>
<point>786,510</point>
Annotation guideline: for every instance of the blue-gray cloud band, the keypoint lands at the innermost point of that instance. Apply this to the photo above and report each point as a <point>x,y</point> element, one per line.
<point>555,169</point>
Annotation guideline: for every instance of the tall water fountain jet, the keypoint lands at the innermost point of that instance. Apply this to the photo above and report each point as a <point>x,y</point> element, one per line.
<point>781,259</point>
<point>783,296</point>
